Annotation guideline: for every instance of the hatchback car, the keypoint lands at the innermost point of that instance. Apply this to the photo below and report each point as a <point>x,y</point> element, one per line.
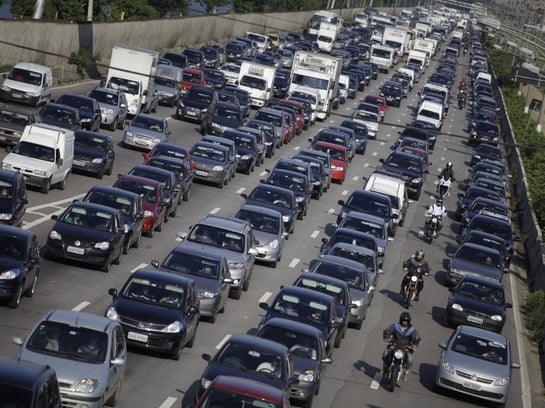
<point>87,352</point>
<point>295,182</point>
<point>113,107</point>
<point>171,150</point>
<point>62,116</point>
<point>476,362</point>
<point>88,108</point>
<point>483,132</point>
<point>145,131</point>
<point>89,233</point>
<point>212,163</point>
<point>93,153</point>
<point>410,168</point>
<point>158,311</point>
<point>485,151</point>
<point>13,197</point>
<point>465,200</point>
<point>196,103</point>
<point>180,168</point>
<point>14,120</point>
<point>247,152</point>
<point>473,259</point>
<point>339,159</point>
<point>224,115</point>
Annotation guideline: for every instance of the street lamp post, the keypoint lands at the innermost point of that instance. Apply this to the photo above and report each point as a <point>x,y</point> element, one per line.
<point>90,10</point>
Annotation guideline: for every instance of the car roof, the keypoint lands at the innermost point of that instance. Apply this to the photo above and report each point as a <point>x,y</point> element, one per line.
<point>20,372</point>
<point>258,342</point>
<point>304,293</point>
<point>138,180</point>
<point>366,216</point>
<point>231,223</point>
<point>271,187</point>
<point>79,319</point>
<point>478,247</point>
<point>249,387</point>
<point>217,140</point>
<point>478,332</point>
<point>197,249</point>
<point>114,191</point>
<point>211,144</point>
<point>94,207</point>
<point>15,231</point>
<point>261,210</point>
<point>331,145</point>
<point>294,325</point>
<point>322,279</point>
<point>159,275</point>
<point>152,169</point>
<point>339,260</point>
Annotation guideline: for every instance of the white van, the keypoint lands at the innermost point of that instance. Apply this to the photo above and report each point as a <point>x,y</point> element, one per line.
<point>344,84</point>
<point>27,83</point>
<point>394,188</point>
<point>310,94</point>
<point>44,156</point>
<point>431,112</point>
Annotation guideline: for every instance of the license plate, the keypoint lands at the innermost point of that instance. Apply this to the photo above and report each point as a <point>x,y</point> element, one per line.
<point>75,250</point>
<point>2,138</point>
<point>201,173</point>
<point>143,338</point>
<point>79,163</point>
<point>476,320</point>
<point>190,113</point>
<point>18,96</point>
<point>471,385</point>
<point>140,143</point>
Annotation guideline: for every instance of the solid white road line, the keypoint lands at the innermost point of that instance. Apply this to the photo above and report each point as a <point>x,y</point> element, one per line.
<point>81,306</point>
<point>265,297</point>
<point>223,341</point>
<point>293,263</point>
<point>315,234</point>
<point>345,192</point>
<point>169,402</point>
<point>331,211</point>
<point>215,210</point>
<point>241,190</point>
<point>142,265</point>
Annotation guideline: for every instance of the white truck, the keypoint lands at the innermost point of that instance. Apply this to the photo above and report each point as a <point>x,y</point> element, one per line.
<point>320,72</point>
<point>397,39</point>
<point>44,156</point>
<point>422,29</point>
<point>132,71</point>
<point>258,80</point>
<point>427,45</point>
<point>418,57</point>
<point>383,56</point>
<point>326,37</point>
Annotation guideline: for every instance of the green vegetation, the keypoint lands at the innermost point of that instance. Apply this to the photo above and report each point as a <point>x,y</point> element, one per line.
<point>535,313</point>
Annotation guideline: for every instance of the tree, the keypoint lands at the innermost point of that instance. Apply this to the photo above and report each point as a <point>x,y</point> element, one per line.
<point>22,8</point>
<point>211,5</point>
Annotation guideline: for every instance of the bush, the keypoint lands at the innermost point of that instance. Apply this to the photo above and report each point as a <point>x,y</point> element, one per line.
<point>535,313</point>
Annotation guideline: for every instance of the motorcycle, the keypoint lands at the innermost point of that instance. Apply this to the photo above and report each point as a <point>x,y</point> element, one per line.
<point>410,288</point>
<point>431,227</point>
<point>443,187</point>
<point>461,102</point>
<point>395,367</point>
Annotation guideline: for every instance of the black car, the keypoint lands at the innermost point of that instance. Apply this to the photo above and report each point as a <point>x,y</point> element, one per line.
<point>260,139</point>
<point>196,103</point>
<point>243,98</point>
<point>223,116</point>
<point>471,194</point>
<point>392,92</point>
<point>308,354</point>
<point>93,153</point>
<point>488,240</point>
<point>349,236</point>
<point>211,57</point>
<point>410,168</point>
<point>490,166</point>
<point>481,204</point>
<point>485,151</point>
<point>184,174</point>
<point>13,197</point>
<point>87,233</point>
<point>277,198</point>
<point>19,264</point>
<point>479,302</point>
<point>62,116</point>
<point>295,182</point>
<point>270,138</point>
<point>360,133</point>
<point>305,306</point>
<point>158,311</point>
<point>421,134</point>
<point>88,108</point>
<point>130,205</point>
<point>246,145</point>
<point>12,123</point>
<point>318,174</point>
<point>173,192</point>
<point>195,58</point>
<point>483,132</point>
<point>281,83</point>
<point>214,78</point>
<point>177,59</point>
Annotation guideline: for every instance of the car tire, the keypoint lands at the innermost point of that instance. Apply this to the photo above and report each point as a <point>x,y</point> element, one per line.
<point>46,187</point>
<point>30,291</point>
<point>176,354</point>
<point>187,194</point>
<point>358,325</point>
<point>308,402</point>
<point>114,399</point>
<point>212,319</point>
<point>16,299</point>
<point>106,267</point>
<point>159,228</point>
<point>100,174</point>
<point>117,260</point>
<point>127,245</point>
<point>236,293</point>
<point>62,184</point>
<point>191,342</point>
<point>337,343</point>
<point>112,127</point>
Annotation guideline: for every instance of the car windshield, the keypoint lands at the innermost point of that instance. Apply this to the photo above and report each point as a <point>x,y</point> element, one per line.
<point>218,237</point>
<point>222,398</point>
<point>15,118</point>
<point>249,359</point>
<point>86,141</point>
<point>160,177</point>
<point>474,255</point>
<point>88,218</point>
<point>82,104</point>
<point>227,112</point>
<point>276,120</point>
<point>203,97</point>
<point>368,227</point>
<point>299,344</point>
<point>148,123</point>
<point>336,154</point>
<point>309,310</point>
<point>480,348</point>
<point>124,85</point>
<point>35,151</point>
<point>260,222</point>
<point>404,162</point>
<point>154,292</point>
<point>191,264</point>
<point>277,198</point>
<point>481,292</point>
<point>355,278</point>
<point>361,257</point>
<point>208,152</point>
<point>367,205</point>
<point>328,288</point>
<point>346,237</point>
<point>13,247</point>
<point>192,77</point>
<point>109,98</point>
<point>166,82</point>
<point>165,150</point>
<point>58,114</point>
<point>147,192</point>
<point>288,181</point>
<point>69,342</point>
<point>109,200</point>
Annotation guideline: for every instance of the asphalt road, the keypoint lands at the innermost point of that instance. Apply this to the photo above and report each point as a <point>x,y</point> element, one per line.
<point>152,381</point>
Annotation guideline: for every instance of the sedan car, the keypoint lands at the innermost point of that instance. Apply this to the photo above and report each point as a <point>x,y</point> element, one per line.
<point>473,259</point>
<point>20,264</point>
<point>12,123</point>
<point>88,108</point>
<point>196,103</point>
<point>145,131</point>
<point>308,354</point>
<point>479,302</point>
<point>209,270</point>
<point>13,197</point>
<point>113,107</point>
<point>486,151</point>
<point>62,116</point>
<point>410,168</point>
<point>295,182</point>
<point>158,311</point>
<point>184,175</point>
<point>88,233</point>
<point>476,362</point>
<point>93,153</point>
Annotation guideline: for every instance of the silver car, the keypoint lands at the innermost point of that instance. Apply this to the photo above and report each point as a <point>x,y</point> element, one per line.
<point>88,352</point>
<point>268,230</point>
<point>145,131</point>
<point>476,362</point>
<point>113,107</point>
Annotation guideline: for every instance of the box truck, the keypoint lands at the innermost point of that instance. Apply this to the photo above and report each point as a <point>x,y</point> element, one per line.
<point>258,80</point>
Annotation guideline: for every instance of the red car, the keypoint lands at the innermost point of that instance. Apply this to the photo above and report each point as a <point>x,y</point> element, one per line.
<point>299,111</point>
<point>339,159</point>
<point>380,101</point>
<point>231,391</point>
<point>153,200</point>
<point>192,77</point>
<point>170,150</point>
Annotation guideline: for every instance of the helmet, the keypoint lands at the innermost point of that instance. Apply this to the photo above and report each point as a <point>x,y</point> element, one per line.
<point>439,201</point>
<point>405,317</point>
<point>419,255</point>
<point>449,165</point>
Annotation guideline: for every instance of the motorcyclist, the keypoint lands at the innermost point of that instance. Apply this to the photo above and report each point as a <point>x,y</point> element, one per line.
<point>443,187</point>
<point>448,172</point>
<point>415,265</point>
<point>462,98</point>
<point>437,209</point>
<point>401,334</point>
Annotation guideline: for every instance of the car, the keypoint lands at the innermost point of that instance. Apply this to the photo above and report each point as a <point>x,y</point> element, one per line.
<point>224,115</point>
<point>145,131</point>
<point>482,204</point>
<point>490,166</point>
<point>177,59</point>
<point>361,134</point>
<point>318,176</point>
<point>471,355</point>
<point>211,56</point>
<point>196,103</point>
<point>243,97</point>
<point>325,158</point>
<point>478,302</point>
<point>252,358</point>
<point>171,150</point>
<point>296,118</point>
<point>214,78</point>
<point>260,139</point>
<point>426,135</point>
<point>153,200</point>
<point>212,163</point>
<point>113,107</point>
<point>93,153</point>
<point>268,130</point>
<point>88,353</point>
<point>307,348</point>
<point>231,72</point>
<point>171,189</point>
<point>483,132</point>
<point>130,205</point>
<point>294,181</point>
<point>303,119</point>
<point>13,122</point>
<point>471,194</point>
<point>195,57</point>
<point>365,256</point>
<point>88,108</point>
<point>180,168</point>
<point>278,198</point>
<point>13,197</point>
<point>355,275</point>
<point>306,306</point>
<point>410,168</point>
<point>337,137</point>
<point>88,233</point>
<point>63,116</point>
<point>351,147</point>
<point>485,151</point>
<point>378,100</point>
<point>158,311</point>
<point>246,145</point>
<point>423,153</point>
<point>392,92</point>
<point>268,229</point>
<point>20,264</point>
<point>339,159</point>
<point>280,122</point>
<point>473,259</point>
<point>28,384</point>
<point>353,237</point>
<point>239,391</point>
<point>490,182</point>
<point>489,240</point>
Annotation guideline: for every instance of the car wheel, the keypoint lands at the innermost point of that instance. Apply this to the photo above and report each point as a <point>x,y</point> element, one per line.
<point>176,353</point>
<point>126,245</point>
<point>308,402</point>
<point>30,292</point>
<point>100,174</point>
<point>106,267</point>
<point>236,293</point>
<point>173,213</point>
<point>337,343</point>
<point>136,243</point>
<point>358,325</point>
<point>46,187</point>
<point>110,169</point>
<point>160,226</point>
<point>212,319</point>
<point>114,399</point>
<point>16,299</point>
<point>113,125</point>
<point>246,284</point>
<point>191,342</point>
<point>121,124</point>
<point>62,184</point>
<point>186,195</point>
<point>151,232</point>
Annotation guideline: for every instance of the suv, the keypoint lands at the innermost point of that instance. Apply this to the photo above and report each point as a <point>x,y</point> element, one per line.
<point>235,238</point>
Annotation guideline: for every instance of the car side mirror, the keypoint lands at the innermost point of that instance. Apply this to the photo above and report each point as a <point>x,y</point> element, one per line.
<point>442,345</point>
<point>113,293</point>
<point>55,217</point>
<point>264,306</point>
<point>244,195</point>
<point>155,264</point>
<point>206,357</point>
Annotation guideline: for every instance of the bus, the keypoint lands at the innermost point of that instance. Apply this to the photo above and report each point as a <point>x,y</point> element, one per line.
<point>320,17</point>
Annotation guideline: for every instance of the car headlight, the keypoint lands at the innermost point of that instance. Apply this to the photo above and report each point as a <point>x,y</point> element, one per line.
<point>217,168</point>
<point>148,213</point>
<point>55,235</point>
<point>495,139</point>
<point>447,367</point>
<point>477,157</point>
<point>108,111</point>
<point>128,133</point>
<point>416,180</point>
<point>6,88</point>
<point>5,216</point>
<point>174,327</point>
<point>273,244</point>
<point>299,199</point>
<point>285,218</point>
<point>496,318</point>
<point>380,250</point>
<point>457,307</point>
<point>501,382</point>
<point>246,157</point>
<point>6,166</point>
<point>97,160</point>
<point>40,173</point>
<point>474,134</point>
<point>156,140</point>
<point>85,120</point>
<point>205,383</point>
<point>8,275</point>
<point>86,385</point>
<point>307,376</point>
<point>206,294</point>
<point>358,302</point>
<point>102,245</point>
<point>111,314</point>
<point>236,265</point>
